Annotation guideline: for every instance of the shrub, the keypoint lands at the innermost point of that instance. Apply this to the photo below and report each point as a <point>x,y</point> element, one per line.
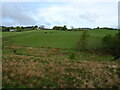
<point>72,56</point>
<point>107,41</point>
<point>111,44</point>
<point>81,44</point>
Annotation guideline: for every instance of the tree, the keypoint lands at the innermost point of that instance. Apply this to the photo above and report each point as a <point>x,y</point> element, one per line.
<point>12,27</point>
<point>57,28</point>
<point>18,29</point>
<point>64,27</point>
<point>5,29</point>
<point>36,27</point>
<point>33,27</point>
<point>60,28</point>
<point>22,27</point>
<point>81,44</point>
<point>97,28</point>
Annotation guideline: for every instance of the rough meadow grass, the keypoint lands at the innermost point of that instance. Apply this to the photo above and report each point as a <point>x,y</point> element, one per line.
<point>38,60</point>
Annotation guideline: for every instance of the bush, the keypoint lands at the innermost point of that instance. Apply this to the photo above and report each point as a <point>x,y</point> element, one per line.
<point>19,30</point>
<point>72,56</point>
<point>81,44</point>
<point>111,44</point>
<point>107,41</point>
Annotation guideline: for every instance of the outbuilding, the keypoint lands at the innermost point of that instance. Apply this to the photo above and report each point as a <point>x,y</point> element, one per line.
<point>11,30</point>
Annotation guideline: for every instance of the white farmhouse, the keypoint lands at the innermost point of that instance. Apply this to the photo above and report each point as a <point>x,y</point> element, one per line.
<point>11,30</point>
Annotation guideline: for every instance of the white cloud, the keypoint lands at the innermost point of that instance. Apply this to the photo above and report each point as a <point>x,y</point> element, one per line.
<point>58,15</point>
<point>80,14</point>
<point>77,14</point>
<point>60,1</point>
<point>15,14</point>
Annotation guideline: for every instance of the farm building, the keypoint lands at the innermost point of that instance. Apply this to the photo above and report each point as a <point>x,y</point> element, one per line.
<point>39,28</point>
<point>12,30</point>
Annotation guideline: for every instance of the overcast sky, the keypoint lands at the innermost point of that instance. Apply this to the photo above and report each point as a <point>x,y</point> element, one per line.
<point>78,13</point>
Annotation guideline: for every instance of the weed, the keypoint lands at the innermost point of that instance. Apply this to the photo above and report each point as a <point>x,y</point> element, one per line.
<point>72,56</point>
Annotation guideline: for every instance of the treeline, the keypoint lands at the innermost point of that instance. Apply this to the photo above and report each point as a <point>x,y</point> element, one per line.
<point>21,28</point>
<point>17,28</point>
<point>106,28</point>
<point>61,28</point>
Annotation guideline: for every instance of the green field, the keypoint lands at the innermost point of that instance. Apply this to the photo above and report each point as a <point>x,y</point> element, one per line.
<point>56,39</point>
<point>35,59</point>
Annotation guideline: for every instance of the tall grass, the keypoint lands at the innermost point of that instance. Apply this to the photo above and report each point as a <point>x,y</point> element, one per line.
<point>40,71</point>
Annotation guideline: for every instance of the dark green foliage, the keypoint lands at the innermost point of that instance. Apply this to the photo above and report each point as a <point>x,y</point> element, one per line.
<point>57,28</point>
<point>64,27</point>
<point>81,44</point>
<point>19,29</point>
<point>97,28</point>
<point>60,28</point>
<point>111,44</point>
<point>14,51</point>
<point>5,29</point>
<point>34,27</point>
<point>108,40</point>
<point>72,56</point>
<point>106,28</point>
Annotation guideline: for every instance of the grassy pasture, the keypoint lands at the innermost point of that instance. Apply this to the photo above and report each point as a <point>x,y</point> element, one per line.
<point>50,61</point>
<point>10,34</point>
<point>56,39</point>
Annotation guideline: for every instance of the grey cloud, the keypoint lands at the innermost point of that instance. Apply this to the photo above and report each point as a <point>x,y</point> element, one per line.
<point>48,24</point>
<point>42,20</point>
<point>45,21</point>
<point>89,17</point>
<point>16,13</point>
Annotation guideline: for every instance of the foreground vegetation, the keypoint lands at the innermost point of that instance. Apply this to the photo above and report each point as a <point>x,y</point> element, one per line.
<point>55,68</point>
<point>49,60</point>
